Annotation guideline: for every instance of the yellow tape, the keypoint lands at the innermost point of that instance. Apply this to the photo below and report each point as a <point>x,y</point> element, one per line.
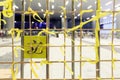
<point>68,68</point>
<point>45,31</point>
<point>7,12</point>
<point>83,23</point>
<point>113,78</point>
<point>113,48</point>
<point>14,73</point>
<point>35,15</point>
<point>62,50</point>
<point>64,11</point>
<point>33,71</point>
<point>44,62</point>
<point>98,78</point>
<point>12,32</point>
<point>79,77</point>
<point>16,52</point>
<point>48,12</point>
<point>113,63</point>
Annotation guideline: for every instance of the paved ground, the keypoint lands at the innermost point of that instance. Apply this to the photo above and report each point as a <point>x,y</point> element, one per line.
<point>56,69</point>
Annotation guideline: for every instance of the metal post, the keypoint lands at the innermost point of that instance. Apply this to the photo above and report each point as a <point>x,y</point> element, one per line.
<point>98,47</point>
<point>47,26</point>
<point>22,41</point>
<point>73,38</point>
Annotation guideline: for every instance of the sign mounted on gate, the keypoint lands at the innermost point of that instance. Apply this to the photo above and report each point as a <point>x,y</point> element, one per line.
<point>35,46</point>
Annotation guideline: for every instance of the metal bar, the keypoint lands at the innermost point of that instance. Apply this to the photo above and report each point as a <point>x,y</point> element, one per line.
<point>98,47</point>
<point>81,30</point>
<point>73,38</point>
<point>64,27</point>
<point>22,41</point>
<point>47,35</point>
<point>112,53</point>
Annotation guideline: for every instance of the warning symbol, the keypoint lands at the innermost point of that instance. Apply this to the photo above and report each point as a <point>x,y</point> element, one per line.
<point>34,47</point>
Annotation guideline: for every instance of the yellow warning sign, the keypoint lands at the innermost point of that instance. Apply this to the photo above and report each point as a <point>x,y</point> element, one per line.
<point>34,47</point>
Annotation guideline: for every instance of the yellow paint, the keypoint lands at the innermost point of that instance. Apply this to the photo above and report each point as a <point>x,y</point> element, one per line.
<point>33,46</point>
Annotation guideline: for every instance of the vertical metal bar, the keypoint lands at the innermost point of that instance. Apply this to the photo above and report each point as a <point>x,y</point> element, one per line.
<point>98,47</point>
<point>22,41</point>
<point>47,35</point>
<point>73,38</point>
<point>64,27</point>
<point>81,41</point>
<point>112,57</point>
<point>0,21</point>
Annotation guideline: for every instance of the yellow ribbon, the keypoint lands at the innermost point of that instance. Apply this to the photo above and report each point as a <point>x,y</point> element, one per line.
<point>16,52</point>
<point>62,49</point>
<point>7,12</point>
<point>79,77</point>
<point>83,23</point>
<point>33,71</point>
<point>113,78</point>
<point>45,31</point>
<point>67,67</point>
<point>14,73</point>
<point>113,48</point>
<point>98,78</point>
<point>12,32</point>
<point>64,11</point>
<point>44,62</point>
<point>113,63</point>
<point>35,14</point>
<point>48,12</point>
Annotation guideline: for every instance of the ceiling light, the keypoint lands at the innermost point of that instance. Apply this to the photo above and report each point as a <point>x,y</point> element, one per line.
<point>15,7</point>
<point>78,14</point>
<point>39,4</point>
<point>32,22</point>
<point>75,17</point>
<point>93,15</point>
<point>108,3</point>
<point>42,10</point>
<point>88,18</point>
<point>79,5</point>
<point>53,6</point>
<point>66,3</point>
<point>89,7</point>
<point>61,16</point>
